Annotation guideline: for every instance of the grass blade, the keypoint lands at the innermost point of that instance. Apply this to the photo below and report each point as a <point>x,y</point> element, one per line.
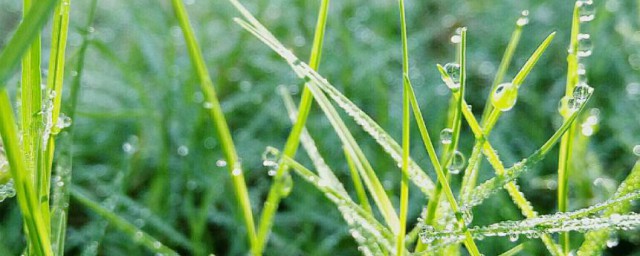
<point>222,129</point>
<point>34,222</point>
<point>23,37</point>
<point>291,146</point>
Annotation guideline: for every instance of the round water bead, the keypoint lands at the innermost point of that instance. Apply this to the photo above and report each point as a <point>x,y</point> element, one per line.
<point>287,185</point>
<point>457,163</point>
<point>504,96</point>
<point>581,92</point>
<point>445,136</point>
<point>524,18</point>
<point>565,106</point>
<point>636,150</point>
<point>584,45</point>
<point>453,70</point>
<point>270,157</point>
<point>586,10</point>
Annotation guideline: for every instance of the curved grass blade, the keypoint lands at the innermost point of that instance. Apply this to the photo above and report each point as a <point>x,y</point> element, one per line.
<point>312,81</point>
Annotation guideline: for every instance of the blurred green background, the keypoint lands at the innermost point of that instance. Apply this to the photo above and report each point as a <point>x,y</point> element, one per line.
<point>141,127</point>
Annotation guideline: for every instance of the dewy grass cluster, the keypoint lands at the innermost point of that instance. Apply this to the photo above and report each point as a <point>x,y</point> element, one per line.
<point>37,145</point>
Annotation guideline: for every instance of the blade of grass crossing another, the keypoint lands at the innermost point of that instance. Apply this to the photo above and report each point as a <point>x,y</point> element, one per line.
<point>218,118</point>
<point>27,31</point>
<point>406,136</point>
<point>291,146</point>
<point>37,230</point>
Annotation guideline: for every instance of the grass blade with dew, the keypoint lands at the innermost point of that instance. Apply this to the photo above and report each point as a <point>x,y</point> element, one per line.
<point>353,213</point>
<point>442,178</point>
<point>481,137</point>
<point>544,225</point>
<point>357,182</point>
<point>595,241</point>
<point>313,79</point>
<point>471,173</point>
<point>118,222</point>
<point>522,21</point>
<point>27,31</point>
<point>291,145</point>
<point>391,147</point>
<point>35,225</point>
<point>222,129</point>
<point>309,144</point>
<point>406,136</point>
<point>495,184</point>
<point>60,193</point>
<point>513,251</point>
<point>566,145</point>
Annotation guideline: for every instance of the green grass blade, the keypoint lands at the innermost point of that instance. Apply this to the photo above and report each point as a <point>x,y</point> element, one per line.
<point>629,189</point>
<point>310,146</point>
<point>23,37</point>
<point>313,80</point>
<point>34,222</point>
<point>291,146</point>
<point>513,251</point>
<point>502,68</point>
<point>406,136</point>
<point>222,129</point>
<point>564,157</point>
<point>357,182</point>
<point>135,233</point>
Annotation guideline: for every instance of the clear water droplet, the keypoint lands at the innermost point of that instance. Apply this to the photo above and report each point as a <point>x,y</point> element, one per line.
<point>457,163</point>
<point>183,150</point>
<point>63,121</point>
<point>513,237</point>
<point>586,10</point>
<point>453,70</point>
<point>270,158</point>
<point>584,45</point>
<point>221,163</point>
<point>445,136</point>
<point>573,104</point>
<point>581,92</point>
<point>207,105</point>
<point>287,185</point>
<point>504,97</point>
<point>524,18</point>
<point>612,241</point>
<point>236,171</point>
<point>636,150</point>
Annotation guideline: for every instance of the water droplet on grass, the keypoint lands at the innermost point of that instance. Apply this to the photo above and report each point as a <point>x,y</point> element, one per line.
<point>586,10</point>
<point>612,241</point>
<point>524,18</point>
<point>581,92</point>
<point>636,150</point>
<point>445,136</point>
<point>513,237</point>
<point>457,163</point>
<point>183,150</point>
<point>221,163</point>
<point>453,70</point>
<point>505,96</point>
<point>584,45</point>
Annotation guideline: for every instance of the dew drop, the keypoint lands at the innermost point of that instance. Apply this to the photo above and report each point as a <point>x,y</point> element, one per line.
<point>138,236</point>
<point>524,18</point>
<point>287,185</point>
<point>513,237</point>
<point>581,92</point>
<point>157,245</point>
<point>457,163</point>
<point>453,70</point>
<point>270,158</point>
<point>221,163</point>
<point>636,150</point>
<point>271,172</point>
<point>207,105</point>
<point>612,241</point>
<point>183,150</point>
<point>445,136</point>
<point>63,121</point>
<point>426,234</point>
<point>504,96</point>
<point>236,171</point>
<point>584,45</point>
<point>586,10</point>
